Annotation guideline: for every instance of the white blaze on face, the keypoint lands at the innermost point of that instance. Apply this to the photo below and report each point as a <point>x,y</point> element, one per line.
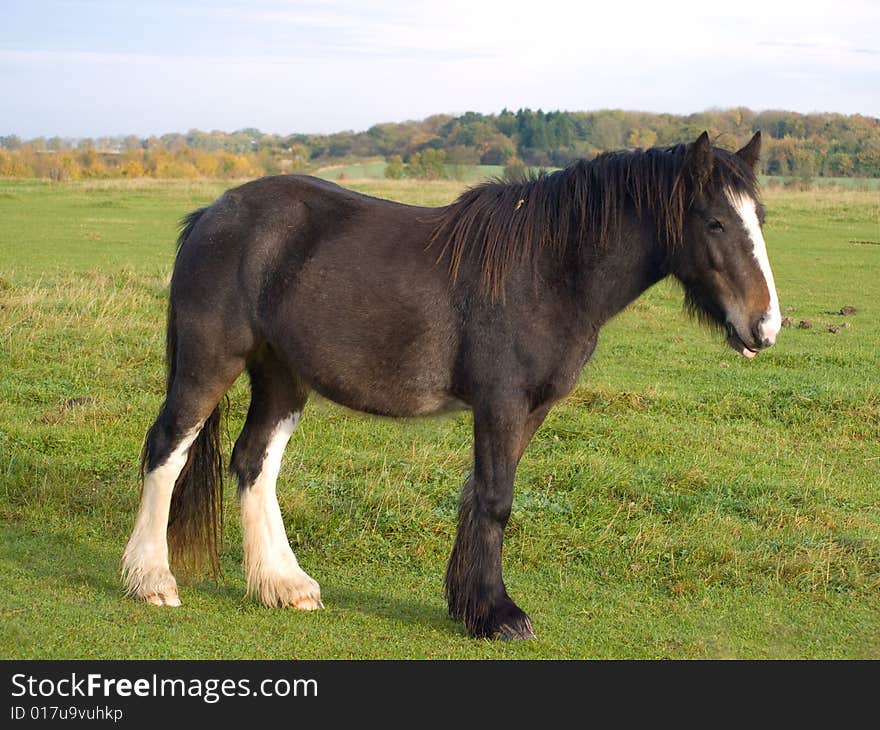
<point>745,207</point>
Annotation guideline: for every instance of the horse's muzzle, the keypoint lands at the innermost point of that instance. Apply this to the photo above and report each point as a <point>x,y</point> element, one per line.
<point>748,349</point>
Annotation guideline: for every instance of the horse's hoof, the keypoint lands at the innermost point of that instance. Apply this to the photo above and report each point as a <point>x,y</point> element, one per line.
<point>160,599</point>
<point>308,603</point>
<point>297,591</point>
<point>515,632</point>
<point>507,622</point>
<point>155,586</point>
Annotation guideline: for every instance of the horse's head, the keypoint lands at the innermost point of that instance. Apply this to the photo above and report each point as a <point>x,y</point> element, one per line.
<point>722,261</point>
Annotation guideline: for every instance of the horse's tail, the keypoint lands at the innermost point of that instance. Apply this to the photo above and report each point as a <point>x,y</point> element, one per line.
<point>187,223</point>
<point>195,519</point>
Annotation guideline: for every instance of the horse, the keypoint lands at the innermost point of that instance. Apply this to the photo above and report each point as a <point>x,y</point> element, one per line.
<point>493,303</point>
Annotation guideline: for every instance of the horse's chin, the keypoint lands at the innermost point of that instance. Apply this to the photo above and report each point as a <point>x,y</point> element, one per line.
<point>734,340</point>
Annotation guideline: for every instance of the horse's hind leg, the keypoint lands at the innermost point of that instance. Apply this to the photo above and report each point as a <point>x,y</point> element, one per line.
<point>178,462</point>
<point>272,572</point>
<point>146,572</point>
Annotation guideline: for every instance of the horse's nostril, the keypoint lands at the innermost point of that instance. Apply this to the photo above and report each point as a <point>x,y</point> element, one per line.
<point>757,332</point>
<point>762,338</point>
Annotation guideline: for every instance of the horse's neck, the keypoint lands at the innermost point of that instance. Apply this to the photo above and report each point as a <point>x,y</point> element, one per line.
<point>617,275</point>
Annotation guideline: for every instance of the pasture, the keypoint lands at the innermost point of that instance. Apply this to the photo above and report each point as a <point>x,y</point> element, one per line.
<point>470,174</point>
<point>376,171</point>
<point>682,502</point>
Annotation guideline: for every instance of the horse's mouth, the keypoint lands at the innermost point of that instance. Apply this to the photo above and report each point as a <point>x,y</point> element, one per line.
<point>735,341</point>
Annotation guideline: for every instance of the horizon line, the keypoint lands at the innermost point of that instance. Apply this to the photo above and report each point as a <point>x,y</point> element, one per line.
<point>452,115</point>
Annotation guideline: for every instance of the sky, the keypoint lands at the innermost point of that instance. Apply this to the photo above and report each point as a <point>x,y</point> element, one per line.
<point>78,68</point>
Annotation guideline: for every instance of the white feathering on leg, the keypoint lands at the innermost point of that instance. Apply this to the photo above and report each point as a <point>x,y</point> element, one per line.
<point>272,572</point>
<point>146,573</point>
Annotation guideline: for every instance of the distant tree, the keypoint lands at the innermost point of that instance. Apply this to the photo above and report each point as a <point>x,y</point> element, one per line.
<point>207,164</point>
<point>394,169</point>
<point>132,168</point>
<point>608,133</point>
<point>92,165</point>
<point>868,158</point>
<point>537,158</point>
<point>12,166</point>
<point>515,170</point>
<point>414,165</point>
<point>299,156</point>
<point>434,123</point>
<point>386,139</point>
<point>462,155</point>
<point>427,165</point>
<point>803,162</point>
<point>237,166</point>
<point>506,123</point>
<point>70,168</point>
<point>498,151</point>
<point>840,165</point>
<point>641,137</point>
<point>795,144</point>
<point>340,144</point>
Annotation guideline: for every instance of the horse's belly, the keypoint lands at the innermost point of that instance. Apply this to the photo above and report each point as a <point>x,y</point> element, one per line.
<point>371,328</point>
<point>381,387</point>
<point>373,362</point>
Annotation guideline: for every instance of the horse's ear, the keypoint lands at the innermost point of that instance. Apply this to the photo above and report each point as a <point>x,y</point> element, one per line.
<point>701,159</point>
<point>752,151</point>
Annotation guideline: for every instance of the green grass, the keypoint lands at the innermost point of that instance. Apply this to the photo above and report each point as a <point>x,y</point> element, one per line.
<point>375,170</point>
<point>845,183</point>
<point>681,503</point>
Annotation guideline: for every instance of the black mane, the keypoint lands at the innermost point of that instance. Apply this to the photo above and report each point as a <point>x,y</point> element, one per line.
<point>496,224</point>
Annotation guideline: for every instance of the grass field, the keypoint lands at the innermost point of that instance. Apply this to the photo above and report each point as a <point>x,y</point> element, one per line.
<point>683,502</point>
<point>375,170</point>
<point>845,183</point>
<point>357,171</point>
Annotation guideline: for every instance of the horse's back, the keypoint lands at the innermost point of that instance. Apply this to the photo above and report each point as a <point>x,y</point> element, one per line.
<point>338,283</point>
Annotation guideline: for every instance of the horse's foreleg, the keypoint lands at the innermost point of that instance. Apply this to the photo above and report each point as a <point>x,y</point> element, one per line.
<point>474,585</point>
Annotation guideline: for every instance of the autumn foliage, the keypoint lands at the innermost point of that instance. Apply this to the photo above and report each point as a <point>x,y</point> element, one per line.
<point>797,145</point>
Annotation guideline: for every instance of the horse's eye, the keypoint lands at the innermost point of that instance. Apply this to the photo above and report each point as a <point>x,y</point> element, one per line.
<point>714,226</point>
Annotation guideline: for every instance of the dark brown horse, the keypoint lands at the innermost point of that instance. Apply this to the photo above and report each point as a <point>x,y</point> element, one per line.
<point>492,303</point>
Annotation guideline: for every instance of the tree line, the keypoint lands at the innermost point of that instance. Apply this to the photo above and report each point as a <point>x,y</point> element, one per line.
<point>798,145</point>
